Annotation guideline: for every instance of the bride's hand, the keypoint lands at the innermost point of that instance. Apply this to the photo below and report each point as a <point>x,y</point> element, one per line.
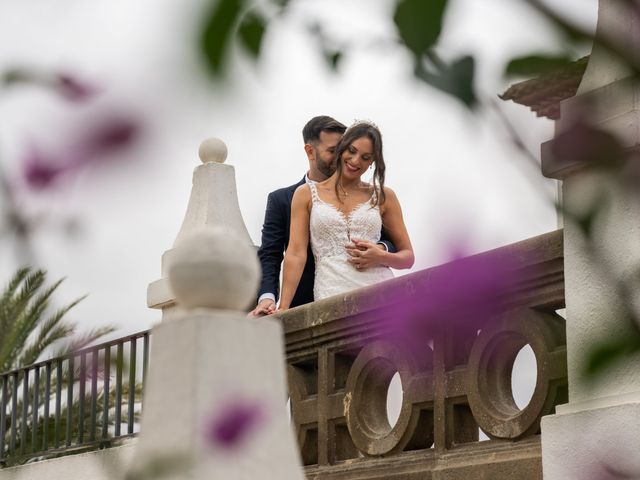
<point>365,254</point>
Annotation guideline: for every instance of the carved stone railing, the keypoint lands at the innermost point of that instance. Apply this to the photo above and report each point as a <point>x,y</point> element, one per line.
<point>455,362</point>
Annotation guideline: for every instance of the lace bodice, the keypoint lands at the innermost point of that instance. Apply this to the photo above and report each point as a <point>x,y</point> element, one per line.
<point>330,230</point>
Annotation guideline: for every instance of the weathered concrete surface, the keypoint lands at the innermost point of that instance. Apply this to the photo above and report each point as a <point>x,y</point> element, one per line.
<point>213,203</point>
<point>596,442</point>
<point>343,351</point>
<point>484,461</point>
<point>600,425</point>
<point>216,389</point>
<point>108,464</point>
<point>200,365</point>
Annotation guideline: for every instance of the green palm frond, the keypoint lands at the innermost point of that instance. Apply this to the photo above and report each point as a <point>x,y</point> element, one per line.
<point>13,304</point>
<point>52,330</point>
<point>16,309</point>
<point>34,312</point>
<point>7,296</point>
<point>84,340</point>
<point>27,330</point>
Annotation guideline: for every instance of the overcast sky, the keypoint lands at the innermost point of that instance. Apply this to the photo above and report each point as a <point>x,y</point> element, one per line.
<point>455,173</point>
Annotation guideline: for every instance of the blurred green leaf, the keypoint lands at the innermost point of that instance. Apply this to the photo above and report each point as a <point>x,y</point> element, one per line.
<point>570,30</point>
<point>168,465</point>
<point>584,144</point>
<point>16,75</point>
<point>582,36</point>
<point>216,35</point>
<point>251,32</point>
<point>607,353</point>
<point>333,59</point>
<point>331,53</point>
<point>456,79</point>
<point>586,220</point>
<point>537,64</point>
<point>419,23</point>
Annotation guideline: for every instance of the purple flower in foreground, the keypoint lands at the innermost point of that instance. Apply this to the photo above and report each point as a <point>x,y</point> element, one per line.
<point>68,86</point>
<point>73,89</point>
<point>114,133</point>
<point>234,424</point>
<point>110,134</point>
<point>466,292</point>
<point>40,171</point>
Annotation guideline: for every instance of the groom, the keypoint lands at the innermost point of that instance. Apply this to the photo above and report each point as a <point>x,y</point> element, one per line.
<point>321,136</point>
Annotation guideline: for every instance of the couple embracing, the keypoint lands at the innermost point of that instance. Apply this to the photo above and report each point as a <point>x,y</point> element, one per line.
<point>336,232</point>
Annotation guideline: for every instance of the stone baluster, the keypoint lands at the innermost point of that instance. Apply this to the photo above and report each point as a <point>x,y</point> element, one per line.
<point>599,429</point>
<point>213,202</point>
<point>215,397</point>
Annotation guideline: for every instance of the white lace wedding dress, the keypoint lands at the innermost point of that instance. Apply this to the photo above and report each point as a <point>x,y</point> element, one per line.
<point>330,230</point>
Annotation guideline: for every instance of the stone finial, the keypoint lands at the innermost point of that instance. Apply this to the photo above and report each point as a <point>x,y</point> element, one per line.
<point>214,268</point>
<point>212,150</point>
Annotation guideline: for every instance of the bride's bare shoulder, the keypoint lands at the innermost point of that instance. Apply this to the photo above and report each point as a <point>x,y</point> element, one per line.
<point>302,188</point>
<point>389,192</point>
<point>302,193</point>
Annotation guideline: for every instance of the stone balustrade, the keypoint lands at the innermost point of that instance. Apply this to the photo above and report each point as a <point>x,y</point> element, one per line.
<point>454,360</point>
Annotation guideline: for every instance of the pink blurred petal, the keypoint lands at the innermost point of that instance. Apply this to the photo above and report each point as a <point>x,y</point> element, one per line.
<point>111,134</point>
<point>39,170</point>
<point>233,425</point>
<point>463,294</point>
<point>107,136</point>
<point>74,89</point>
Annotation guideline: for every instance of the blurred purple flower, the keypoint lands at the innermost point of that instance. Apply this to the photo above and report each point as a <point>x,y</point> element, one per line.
<point>233,424</point>
<point>604,471</point>
<point>73,89</point>
<point>41,170</point>
<point>114,133</point>
<point>68,86</point>
<point>467,292</point>
<point>584,144</point>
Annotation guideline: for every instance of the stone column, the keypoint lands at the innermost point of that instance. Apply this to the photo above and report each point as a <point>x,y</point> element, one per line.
<point>213,202</point>
<point>598,431</point>
<point>215,398</point>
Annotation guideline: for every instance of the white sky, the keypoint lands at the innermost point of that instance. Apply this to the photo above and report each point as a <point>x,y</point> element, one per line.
<point>454,173</point>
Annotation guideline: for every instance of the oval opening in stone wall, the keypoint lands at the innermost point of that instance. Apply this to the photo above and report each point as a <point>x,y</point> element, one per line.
<point>523,377</point>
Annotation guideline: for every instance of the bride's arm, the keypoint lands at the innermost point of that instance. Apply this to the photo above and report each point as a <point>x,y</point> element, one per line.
<point>394,225</point>
<point>296,255</point>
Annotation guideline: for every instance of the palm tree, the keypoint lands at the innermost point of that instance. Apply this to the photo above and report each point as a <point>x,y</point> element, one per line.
<point>28,329</point>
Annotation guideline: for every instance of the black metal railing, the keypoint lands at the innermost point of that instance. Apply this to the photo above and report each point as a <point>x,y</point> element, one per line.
<point>73,402</point>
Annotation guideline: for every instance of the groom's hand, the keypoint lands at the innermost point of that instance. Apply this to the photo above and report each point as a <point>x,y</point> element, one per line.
<point>265,307</point>
<point>365,254</point>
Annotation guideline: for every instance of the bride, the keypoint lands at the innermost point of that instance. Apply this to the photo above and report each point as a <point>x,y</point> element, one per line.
<point>342,217</point>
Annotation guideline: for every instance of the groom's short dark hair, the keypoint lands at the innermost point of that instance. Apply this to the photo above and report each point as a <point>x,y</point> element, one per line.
<point>313,128</point>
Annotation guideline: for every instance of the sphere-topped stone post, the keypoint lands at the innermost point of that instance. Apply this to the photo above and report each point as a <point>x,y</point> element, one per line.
<point>215,397</point>
<point>213,203</point>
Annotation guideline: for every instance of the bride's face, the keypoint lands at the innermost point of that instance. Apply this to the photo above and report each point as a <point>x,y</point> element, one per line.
<point>357,158</point>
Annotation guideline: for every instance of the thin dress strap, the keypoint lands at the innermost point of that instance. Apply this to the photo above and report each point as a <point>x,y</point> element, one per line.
<point>314,191</point>
<point>374,195</point>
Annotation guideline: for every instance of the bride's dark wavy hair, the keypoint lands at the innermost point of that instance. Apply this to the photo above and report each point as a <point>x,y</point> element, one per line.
<point>353,133</point>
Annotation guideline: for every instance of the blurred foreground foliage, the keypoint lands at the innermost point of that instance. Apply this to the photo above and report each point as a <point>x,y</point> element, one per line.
<point>418,25</point>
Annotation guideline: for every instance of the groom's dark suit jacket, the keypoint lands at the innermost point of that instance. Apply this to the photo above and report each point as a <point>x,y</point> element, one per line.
<point>275,239</point>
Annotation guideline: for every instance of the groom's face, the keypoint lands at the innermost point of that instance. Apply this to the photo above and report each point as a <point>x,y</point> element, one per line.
<point>325,152</point>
